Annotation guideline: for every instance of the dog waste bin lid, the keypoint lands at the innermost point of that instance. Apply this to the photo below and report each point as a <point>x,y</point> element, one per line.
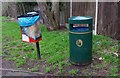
<point>28,19</point>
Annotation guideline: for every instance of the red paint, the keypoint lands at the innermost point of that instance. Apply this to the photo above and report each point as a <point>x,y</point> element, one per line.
<point>32,40</point>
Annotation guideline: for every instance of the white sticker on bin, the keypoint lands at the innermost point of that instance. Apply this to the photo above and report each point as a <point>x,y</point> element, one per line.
<point>25,38</point>
<point>80,18</point>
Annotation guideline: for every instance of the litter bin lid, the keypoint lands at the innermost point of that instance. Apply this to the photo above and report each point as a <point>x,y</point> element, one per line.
<point>28,19</point>
<point>80,20</point>
<point>80,29</point>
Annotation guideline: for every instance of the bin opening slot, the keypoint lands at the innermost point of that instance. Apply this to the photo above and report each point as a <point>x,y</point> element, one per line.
<point>80,25</point>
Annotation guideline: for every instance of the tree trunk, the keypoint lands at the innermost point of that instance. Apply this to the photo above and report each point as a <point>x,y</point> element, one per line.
<point>51,18</point>
<point>23,7</point>
<point>55,12</point>
<point>45,16</point>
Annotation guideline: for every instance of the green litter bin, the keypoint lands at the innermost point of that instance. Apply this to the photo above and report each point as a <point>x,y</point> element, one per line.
<point>80,39</point>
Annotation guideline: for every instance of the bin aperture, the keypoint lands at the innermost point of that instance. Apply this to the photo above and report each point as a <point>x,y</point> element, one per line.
<point>80,27</point>
<point>30,31</point>
<point>80,39</point>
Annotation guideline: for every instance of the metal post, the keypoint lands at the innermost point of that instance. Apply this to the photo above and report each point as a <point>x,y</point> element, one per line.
<point>70,8</point>
<point>96,17</point>
<point>38,50</point>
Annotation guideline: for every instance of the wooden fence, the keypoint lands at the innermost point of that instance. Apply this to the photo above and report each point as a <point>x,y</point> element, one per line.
<point>108,16</point>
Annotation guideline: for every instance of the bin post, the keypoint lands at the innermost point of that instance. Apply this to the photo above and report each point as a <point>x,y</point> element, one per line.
<point>38,50</point>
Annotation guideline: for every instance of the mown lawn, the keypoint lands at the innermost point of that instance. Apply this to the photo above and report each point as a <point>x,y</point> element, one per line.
<point>55,53</point>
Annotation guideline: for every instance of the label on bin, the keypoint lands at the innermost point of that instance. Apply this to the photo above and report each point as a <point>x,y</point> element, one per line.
<point>25,38</point>
<point>79,42</point>
<point>81,18</point>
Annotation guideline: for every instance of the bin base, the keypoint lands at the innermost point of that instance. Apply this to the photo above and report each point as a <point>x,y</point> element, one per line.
<point>80,64</point>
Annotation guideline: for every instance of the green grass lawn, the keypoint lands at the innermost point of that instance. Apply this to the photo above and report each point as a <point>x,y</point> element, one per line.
<point>55,52</point>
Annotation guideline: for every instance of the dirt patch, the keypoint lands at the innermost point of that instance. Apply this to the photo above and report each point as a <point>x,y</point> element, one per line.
<point>100,72</point>
<point>8,69</point>
<point>86,70</point>
<point>30,64</point>
<point>8,64</point>
<point>11,73</point>
<point>82,70</point>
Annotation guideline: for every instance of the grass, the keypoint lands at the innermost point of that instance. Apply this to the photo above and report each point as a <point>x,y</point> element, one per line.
<point>73,72</point>
<point>54,50</point>
<point>47,69</point>
<point>113,71</point>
